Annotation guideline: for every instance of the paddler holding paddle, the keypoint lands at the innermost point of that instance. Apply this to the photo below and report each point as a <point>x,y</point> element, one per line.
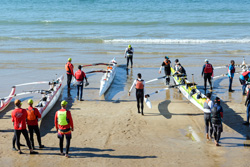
<point>167,69</point>
<point>139,86</point>
<point>69,67</point>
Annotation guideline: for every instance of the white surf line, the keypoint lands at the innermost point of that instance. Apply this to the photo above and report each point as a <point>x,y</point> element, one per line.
<point>194,134</point>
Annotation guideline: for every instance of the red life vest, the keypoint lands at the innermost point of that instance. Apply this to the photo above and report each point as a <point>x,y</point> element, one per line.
<point>68,67</point>
<point>79,75</point>
<point>31,115</point>
<point>232,71</point>
<point>139,84</point>
<point>245,74</point>
<point>167,62</point>
<point>208,68</point>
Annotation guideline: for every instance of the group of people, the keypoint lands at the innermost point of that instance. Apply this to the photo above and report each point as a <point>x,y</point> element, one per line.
<point>21,117</point>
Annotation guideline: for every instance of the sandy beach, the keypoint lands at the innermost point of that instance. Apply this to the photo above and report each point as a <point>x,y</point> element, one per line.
<point>114,134</point>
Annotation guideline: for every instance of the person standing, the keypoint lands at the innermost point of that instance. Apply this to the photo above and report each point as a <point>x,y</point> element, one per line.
<point>207,70</point>
<point>64,126</point>
<point>129,52</point>
<point>247,103</point>
<point>139,85</point>
<point>69,67</point>
<point>231,71</point>
<point>80,76</point>
<point>167,69</point>
<point>216,117</point>
<point>243,80</point>
<point>208,105</point>
<point>32,122</point>
<point>19,116</point>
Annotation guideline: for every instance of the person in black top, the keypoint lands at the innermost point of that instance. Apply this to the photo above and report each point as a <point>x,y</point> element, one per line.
<point>247,103</point>
<point>207,70</point>
<point>167,69</point>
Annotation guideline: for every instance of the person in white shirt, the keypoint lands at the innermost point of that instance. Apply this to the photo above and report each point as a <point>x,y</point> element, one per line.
<point>139,85</point>
<point>129,52</point>
<point>208,105</point>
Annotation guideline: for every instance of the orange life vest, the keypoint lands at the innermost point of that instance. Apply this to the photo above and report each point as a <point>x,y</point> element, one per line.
<point>31,114</point>
<point>67,67</point>
<point>167,62</point>
<point>109,68</point>
<point>139,84</point>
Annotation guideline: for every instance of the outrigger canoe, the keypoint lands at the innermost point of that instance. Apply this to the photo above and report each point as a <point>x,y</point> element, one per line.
<point>108,77</point>
<point>6,101</point>
<point>189,90</point>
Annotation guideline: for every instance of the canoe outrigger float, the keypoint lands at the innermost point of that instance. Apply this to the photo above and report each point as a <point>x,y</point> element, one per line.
<point>48,100</point>
<point>108,77</point>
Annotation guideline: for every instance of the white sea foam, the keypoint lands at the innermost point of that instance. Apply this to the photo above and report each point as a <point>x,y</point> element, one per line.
<point>177,41</point>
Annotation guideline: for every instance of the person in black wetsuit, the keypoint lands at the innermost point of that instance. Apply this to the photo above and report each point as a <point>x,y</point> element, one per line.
<point>207,70</point>
<point>139,86</point>
<point>129,52</point>
<point>167,69</point>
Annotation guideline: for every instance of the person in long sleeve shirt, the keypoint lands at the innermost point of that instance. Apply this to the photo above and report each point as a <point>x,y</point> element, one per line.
<point>207,71</point>
<point>64,125</point>
<point>139,85</point>
<point>167,69</point>
<point>129,53</point>
<point>231,71</point>
<point>69,67</point>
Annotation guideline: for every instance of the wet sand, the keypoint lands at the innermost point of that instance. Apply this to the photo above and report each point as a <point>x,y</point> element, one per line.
<point>112,133</point>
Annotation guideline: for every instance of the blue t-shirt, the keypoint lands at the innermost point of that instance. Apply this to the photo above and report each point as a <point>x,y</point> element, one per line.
<point>230,69</point>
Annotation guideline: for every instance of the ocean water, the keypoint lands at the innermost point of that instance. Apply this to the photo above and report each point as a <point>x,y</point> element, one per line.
<point>37,37</point>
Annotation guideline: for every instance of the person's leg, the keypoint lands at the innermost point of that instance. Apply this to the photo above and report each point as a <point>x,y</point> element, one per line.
<point>37,131</point>
<point>209,80</point>
<point>131,61</point>
<point>127,61</point>
<point>17,134</point>
<point>230,84</point>
<point>141,101</point>
<point>138,101</point>
<point>215,132</point>
<point>206,124</point>
<point>211,127</point>
<point>248,109</point>
<point>78,87</point>
<point>205,81</point>
<point>31,131</point>
<point>26,136</point>
<point>81,88</point>
<point>61,137</point>
<point>244,89</point>
<point>14,142</point>
<point>219,133</point>
<point>68,138</point>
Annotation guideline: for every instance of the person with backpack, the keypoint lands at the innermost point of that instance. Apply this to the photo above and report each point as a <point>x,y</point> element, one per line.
<point>64,125</point>
<point>129,52</point>
<point>80,76</point>
<point>216,118</point>
<point>208,105</point>
<point>32,122</point>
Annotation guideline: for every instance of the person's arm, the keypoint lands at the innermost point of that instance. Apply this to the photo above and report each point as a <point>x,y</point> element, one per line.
<point>72,69</point>
<point>56,123</point>
<point>144,89</point>
<point>12,116</point>
<point>37,113</point>
<point>70,120</point>
<point>202,72</point>
<point>125,52</point>
<point>84,76</point>
<point>162,65</point>
<point>134,83</point>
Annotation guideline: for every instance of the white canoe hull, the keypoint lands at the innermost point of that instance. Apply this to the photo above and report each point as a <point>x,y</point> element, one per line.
<point>4,103</point>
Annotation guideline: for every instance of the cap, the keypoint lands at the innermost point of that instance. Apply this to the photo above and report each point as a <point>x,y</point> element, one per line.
<point>129,46</point>
<point>18,102</point>
<point>30,101</point>
<point>69,59</point>
<point>206,60</point>
<point>64,103</point>
<point>166,57</point>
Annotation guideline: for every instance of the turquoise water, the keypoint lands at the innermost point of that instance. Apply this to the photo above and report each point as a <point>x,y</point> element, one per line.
<point>37,37</point>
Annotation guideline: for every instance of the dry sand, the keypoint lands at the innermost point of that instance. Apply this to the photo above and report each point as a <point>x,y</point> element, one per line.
<point>114,134</point>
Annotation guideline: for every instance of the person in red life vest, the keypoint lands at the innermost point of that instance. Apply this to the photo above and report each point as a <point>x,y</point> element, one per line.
<point>231,71</point>
<point>243,80</point>
<point>140,90</point>
<point>80,75</point>
<point>69,67</point>
<point>167,69</point>
<point>64,126</point>
<point>32,122</point>
<point>207,70</point>
<point>19,116</point>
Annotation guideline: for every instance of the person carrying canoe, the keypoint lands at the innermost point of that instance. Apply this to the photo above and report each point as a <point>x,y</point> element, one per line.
<point>247,104</point>
<point>129,52</point>
<point>64,126</point>
<point>69,67</point>
<point>208,105</point>
<point>139,85</point>
<point>231,71</point>
<point>207,70</point>
<point>80,76</point>
<point>243,80</point>
<point>216,117</point>
<point>179,69</point>
<point>167,69</point>
<point>19,116</point>
<point>32,122</point>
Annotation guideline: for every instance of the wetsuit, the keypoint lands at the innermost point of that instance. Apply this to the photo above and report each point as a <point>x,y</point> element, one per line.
<point>247,103</point>
<point>129,52</point>
<point>231,71</point>
<point>33,125</point>
<point>167,69</point>
<point>64,125</point>
<point>243,78</point>
<point>207,70</point>
<point>139,86</point>
<point>80,75</point>
<point>180,69</point>
<point>69,70</point>
<point>208,105</point>
<point>216,117</point>
<point>19,116</point>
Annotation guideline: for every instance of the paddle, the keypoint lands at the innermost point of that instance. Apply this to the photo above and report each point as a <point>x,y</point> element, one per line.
<point>27,92</point>
<point>101,71</point>
<point>33,83</point>
<point>96,64</point>
<point>155,79</point>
